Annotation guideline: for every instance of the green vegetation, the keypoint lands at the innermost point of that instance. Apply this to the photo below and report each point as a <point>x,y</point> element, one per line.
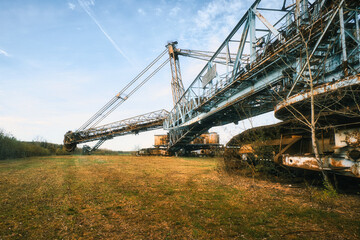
<point>128,197</point>
<point>10,147</point>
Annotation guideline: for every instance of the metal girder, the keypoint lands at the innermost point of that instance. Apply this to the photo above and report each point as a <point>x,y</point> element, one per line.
<point>177,86</point>
<point>357,30</point>
<point>222,58</point>
<point>342,34</point>
<point>299,75</point>
<point>241,49</point>
<point>268,25</point>
<point>252,29</point>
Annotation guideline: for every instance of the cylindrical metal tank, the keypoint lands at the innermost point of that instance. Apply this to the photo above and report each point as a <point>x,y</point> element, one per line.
<point>213,138</point>
<point>205,138</point>
<point>161,140</point>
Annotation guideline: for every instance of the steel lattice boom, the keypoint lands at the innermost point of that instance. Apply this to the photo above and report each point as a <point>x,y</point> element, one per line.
<point>146,122</point>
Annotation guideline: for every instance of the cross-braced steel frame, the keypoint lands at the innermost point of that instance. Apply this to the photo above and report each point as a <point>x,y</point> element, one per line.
<point>275,58</point>
<point>145,122</point>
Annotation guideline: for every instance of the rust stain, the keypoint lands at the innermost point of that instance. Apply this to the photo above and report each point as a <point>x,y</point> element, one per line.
<point>309,164</point>
<point>327,87</point>
<point>335,163</point>
<point>355,169</point>
<point>353,138</point>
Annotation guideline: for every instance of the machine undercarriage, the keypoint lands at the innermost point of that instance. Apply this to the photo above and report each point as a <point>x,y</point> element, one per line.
<point>288,143</point>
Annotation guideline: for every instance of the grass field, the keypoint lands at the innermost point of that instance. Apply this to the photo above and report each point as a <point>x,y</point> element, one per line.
<point>128,197</point>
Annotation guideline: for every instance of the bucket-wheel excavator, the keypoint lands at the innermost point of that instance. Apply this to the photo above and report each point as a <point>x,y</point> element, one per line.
<point>91,131</point>
<point>299,59</point>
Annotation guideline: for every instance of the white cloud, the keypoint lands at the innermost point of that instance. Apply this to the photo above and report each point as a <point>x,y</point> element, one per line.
<point>141,11</point>
<point>218,11</point>
<point>174,11</point>
<point>71,6</point>
<point>158,11</point>
<point>214,21</point>
<point>3,52</point>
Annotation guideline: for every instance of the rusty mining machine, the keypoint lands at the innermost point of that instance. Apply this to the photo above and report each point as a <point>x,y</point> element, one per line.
<point>299,59</point>
<point>91,131</point>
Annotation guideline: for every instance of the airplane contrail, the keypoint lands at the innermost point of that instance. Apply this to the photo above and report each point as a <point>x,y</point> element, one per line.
<point>84,5</point>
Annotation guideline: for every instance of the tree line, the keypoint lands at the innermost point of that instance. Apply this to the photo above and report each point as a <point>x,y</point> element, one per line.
<point>10,147</point>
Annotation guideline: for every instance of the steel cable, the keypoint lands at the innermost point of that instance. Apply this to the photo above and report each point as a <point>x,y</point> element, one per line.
<point>100,114</point>
<point>131,93</point>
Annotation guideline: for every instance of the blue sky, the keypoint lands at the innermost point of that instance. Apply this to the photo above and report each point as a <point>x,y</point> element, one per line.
<point>61,60</point>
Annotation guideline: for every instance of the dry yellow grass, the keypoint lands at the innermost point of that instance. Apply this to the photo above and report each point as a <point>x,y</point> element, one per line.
<point>128,197</point>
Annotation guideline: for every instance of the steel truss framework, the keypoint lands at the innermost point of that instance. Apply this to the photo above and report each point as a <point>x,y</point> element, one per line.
<point>149,121</point>
<point>90,131</point>
<point>274,61</point>
<point>177,86</point>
